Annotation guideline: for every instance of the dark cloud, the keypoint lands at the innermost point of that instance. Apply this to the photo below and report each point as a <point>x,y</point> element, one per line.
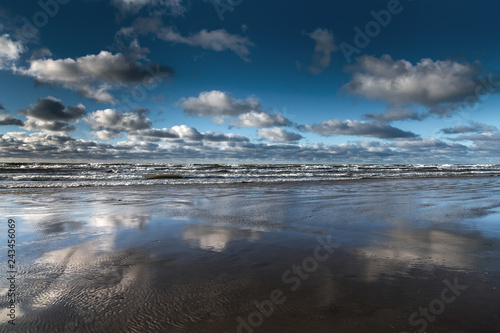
<point>394,113</point>
<point>8,120</point>
<point>183,132</point>
<point>94,76</point>
<point>473,127</point>
<point>357,128</point>
<point>325,46</point>
<point>442,86</point>
<point>50,108</point>
<point>50,114</point>
<point>221,137</point>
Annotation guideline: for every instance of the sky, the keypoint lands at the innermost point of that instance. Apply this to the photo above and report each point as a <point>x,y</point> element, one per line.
<point>250,81</point>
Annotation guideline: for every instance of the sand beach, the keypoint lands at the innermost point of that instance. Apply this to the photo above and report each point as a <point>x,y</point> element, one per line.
<point>404,255</point>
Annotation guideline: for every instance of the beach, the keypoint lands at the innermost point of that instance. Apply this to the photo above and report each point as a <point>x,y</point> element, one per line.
<point>361,255</point>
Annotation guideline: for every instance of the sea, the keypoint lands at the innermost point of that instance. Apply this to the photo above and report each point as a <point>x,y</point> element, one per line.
<point>53,175</point>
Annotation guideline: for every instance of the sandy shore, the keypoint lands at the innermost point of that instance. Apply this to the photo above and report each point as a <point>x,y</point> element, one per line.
<point>352,256</point>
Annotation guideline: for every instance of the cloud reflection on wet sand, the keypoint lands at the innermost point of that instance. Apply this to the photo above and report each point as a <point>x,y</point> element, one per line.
<point>182,262</point>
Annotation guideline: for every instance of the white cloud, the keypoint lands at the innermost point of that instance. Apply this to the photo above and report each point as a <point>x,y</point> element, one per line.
<point>218,106</point>
<point>106,135</point>
<point>358,128</point>
<point>276,134</point>
<point>93,76</point>
<point>109,123</point>
<point>9,51</point>
<point>52,126</point>
<point>442,86</point>
<point>260,119</point>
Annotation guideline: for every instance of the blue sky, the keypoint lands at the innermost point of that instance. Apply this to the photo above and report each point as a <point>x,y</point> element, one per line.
<point>237,81</point>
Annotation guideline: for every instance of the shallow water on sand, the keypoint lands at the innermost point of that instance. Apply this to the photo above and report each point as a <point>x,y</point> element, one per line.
<point>320,257</point>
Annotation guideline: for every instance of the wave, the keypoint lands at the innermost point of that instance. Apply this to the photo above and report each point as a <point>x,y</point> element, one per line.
<point>28,175</point>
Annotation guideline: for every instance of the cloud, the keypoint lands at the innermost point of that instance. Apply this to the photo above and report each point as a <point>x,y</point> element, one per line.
<point>473,127</point>
<point>8,120</point>
<point>441,86</point>
<point>153,134</point>
<point>485,147</point>
<point>221,137</point>
<point>260,119</point>
<point>50,114</point>
<point>218,106</point>
<point>276,134</point>
<point>50,108</point>
<point>41,53</point>
<point>94,76</point>
<point>394,113</point>
<point>358,128</point>
<point>10,51</point>
<point>55,146</point>
<point>215,40</point>
<point>325,46</point>
<point>110,123</point>
<point>53,126</point>
<point>481,137</point>
<point>184,132</point>
<point>428,146</point>
<point>158,7</point>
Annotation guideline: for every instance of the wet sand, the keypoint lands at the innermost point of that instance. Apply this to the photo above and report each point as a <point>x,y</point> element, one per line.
<point>352,256</point>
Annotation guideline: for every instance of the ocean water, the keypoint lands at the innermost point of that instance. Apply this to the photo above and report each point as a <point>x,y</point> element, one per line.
<point>44,175</point>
